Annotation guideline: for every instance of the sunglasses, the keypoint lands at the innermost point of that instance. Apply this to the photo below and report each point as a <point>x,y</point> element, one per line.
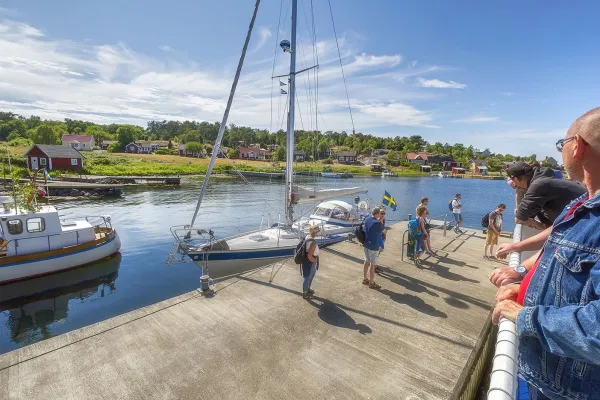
<point>561,143</point>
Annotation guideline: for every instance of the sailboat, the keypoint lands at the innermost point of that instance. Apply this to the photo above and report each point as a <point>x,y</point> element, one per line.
<point>240,253</point>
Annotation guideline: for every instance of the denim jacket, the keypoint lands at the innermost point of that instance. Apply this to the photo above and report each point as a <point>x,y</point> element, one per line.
<point>559,326</point>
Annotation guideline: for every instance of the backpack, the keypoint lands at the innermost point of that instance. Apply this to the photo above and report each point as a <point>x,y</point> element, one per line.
<point>414,229</point>
<point>300,253</point>
<point>450,205</point>
<point>485,220</point>
<point>360,234</point>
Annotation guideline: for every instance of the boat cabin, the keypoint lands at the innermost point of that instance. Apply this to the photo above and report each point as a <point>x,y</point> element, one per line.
<point>34,232</point>
<point>333,210</point>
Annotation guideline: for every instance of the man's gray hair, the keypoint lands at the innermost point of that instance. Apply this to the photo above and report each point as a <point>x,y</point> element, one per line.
<point>375,211</point>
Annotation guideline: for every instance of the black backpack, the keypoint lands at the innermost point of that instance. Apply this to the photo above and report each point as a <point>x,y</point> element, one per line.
<point>360,234</point>
<point>300,254</point>
<point>485,220</point>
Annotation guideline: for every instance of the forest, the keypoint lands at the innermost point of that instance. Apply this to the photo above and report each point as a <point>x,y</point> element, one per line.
<point>18,130</point>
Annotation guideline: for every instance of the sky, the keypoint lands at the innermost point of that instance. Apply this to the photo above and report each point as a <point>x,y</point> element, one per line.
<point>509,76</point>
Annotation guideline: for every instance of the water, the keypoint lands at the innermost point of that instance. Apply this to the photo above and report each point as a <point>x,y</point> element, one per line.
<point>41,308</point>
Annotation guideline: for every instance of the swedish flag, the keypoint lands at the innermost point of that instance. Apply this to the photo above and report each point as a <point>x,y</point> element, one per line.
<point>389,201</point>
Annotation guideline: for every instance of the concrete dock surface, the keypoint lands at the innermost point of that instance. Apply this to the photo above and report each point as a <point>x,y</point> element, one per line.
<point>415,338</point>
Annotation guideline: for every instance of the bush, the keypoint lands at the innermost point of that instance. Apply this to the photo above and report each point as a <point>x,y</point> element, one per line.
<point>327,161</point>
<point>20,142</point>
<point>169,152</point>
<point>114,148</point>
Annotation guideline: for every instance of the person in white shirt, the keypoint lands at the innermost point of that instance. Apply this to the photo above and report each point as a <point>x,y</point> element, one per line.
<point>457,212</point>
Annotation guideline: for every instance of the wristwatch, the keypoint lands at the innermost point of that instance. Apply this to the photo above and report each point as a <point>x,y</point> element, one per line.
<point>521,270</point>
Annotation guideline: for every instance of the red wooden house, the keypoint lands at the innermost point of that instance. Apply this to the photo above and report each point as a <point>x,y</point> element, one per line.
<point>53,157</point>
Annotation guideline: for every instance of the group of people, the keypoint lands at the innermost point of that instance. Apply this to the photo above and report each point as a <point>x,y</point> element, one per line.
<point>554,295</point>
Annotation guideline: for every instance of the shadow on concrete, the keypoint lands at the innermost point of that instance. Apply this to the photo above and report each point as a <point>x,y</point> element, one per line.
<point>454,302</point>
<point>450,261</point>
<point>460,296</point>
<point>444,272</point>
<point>332,314</point>
<point>411,285</point>
<point>343,255</point>
<point>361,312</point>
<point>414,302</point>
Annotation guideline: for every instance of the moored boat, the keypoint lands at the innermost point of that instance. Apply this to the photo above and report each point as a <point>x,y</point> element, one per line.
<point>35,243</point>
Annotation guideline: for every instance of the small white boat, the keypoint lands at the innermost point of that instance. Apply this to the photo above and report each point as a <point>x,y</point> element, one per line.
<point>39,243</point>
<point>387,173</point>
<point>441,175</point>
<point>335,217</point>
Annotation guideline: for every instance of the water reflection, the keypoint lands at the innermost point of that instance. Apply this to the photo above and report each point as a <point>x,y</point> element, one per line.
<point>34,305</point>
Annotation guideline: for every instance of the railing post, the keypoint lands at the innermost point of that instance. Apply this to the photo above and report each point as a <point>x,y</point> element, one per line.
<point>444,227</point>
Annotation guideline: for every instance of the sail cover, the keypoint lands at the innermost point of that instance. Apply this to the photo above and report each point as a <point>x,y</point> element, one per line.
<point>308,195</point>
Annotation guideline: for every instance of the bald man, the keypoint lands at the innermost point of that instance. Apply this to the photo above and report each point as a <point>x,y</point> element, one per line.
<point>557,305</point>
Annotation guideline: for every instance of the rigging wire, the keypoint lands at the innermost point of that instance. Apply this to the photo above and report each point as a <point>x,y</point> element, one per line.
<point>274,62</point>
<point>341,65</point>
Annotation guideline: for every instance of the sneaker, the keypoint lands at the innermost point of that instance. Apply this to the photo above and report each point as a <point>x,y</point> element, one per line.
<point>418,263</point>
<point>365,282</point>
<point>310,292</point>
<point>306,295</point>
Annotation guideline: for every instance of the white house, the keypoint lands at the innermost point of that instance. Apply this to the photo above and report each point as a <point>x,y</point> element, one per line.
<point>79,142</point>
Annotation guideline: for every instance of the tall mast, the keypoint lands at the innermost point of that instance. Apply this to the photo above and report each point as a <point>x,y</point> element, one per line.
<point>289,159</point>
<point>223,125</point>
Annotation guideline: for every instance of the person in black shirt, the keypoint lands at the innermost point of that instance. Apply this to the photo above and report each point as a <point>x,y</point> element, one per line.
<point>546,195</point>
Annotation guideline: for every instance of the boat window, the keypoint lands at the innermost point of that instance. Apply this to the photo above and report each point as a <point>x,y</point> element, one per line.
<point>15,227</point>
<point>339,213</point>
<point>322,212</point>
<point>35,225</point>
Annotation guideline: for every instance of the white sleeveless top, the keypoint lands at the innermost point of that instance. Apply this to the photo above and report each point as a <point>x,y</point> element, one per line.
<point>309,239</point>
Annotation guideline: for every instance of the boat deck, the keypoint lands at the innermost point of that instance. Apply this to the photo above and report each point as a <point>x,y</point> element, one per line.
<point>417,337</point>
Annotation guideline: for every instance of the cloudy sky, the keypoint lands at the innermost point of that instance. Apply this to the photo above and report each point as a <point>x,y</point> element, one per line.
<point>509,76</point>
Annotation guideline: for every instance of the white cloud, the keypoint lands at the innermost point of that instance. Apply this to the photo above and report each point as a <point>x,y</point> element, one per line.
<point>508,93</point>
<point>264,34</point>
<point>439,84</point>
<point>107,83</point>
<point>398,114</point>
<point>477,119</point>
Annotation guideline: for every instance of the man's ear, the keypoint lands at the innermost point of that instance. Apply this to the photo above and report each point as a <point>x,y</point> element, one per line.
<point>579,147</point>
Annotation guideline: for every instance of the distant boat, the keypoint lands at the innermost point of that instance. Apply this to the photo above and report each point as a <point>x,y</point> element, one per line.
<point>441,175</point>
<point>387,172</point>
<point>331,175</point>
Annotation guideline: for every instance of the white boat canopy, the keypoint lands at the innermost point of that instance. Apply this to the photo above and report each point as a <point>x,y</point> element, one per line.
<point>334,204</point>
<point>307,195</point>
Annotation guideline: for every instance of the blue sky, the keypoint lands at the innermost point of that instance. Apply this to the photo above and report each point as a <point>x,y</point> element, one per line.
<point>508,76</point>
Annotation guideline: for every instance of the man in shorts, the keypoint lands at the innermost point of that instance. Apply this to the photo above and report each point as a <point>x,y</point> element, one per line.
<point>457,212</point>
<point>493,231</point>
<point>373,231</point>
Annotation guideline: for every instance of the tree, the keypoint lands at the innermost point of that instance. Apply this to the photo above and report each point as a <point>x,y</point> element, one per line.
<point>208,148</point>
<point>233,153</point>
<point>392,158</point>
<point>194,147</point>
<point>279,154</point>
<point>127,134</point>
<point>45,134</point>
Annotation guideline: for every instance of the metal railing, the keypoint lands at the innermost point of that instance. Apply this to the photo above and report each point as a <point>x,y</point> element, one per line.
<point>504,381</point>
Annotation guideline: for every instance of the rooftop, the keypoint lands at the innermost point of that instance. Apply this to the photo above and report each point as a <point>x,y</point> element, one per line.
<point>57,151</point>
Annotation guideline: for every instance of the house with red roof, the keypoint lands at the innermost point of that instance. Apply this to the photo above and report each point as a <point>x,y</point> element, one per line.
<point>416,158</point>
<point>79,142</point>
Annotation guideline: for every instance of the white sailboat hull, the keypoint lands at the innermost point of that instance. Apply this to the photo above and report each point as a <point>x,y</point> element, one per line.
<point>224,263</point>
<point>54,263</point>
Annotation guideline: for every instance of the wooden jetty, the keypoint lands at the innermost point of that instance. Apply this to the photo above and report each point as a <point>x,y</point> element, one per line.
<point>164,179</point>
<point>423,335</point>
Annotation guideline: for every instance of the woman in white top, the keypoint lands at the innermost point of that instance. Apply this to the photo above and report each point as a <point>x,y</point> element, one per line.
<point>309,267</point>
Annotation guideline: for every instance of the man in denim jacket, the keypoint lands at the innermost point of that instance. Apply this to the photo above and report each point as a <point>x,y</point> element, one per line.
<point>557,305</point>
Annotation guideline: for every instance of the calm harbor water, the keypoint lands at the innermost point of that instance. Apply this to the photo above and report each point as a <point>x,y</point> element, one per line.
<point>37,309</point>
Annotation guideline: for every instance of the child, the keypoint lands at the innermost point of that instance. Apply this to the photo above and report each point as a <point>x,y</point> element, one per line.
<point>421,236</point>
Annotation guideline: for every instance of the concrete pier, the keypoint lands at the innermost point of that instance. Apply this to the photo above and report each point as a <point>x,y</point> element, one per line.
<point>416,338</point>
